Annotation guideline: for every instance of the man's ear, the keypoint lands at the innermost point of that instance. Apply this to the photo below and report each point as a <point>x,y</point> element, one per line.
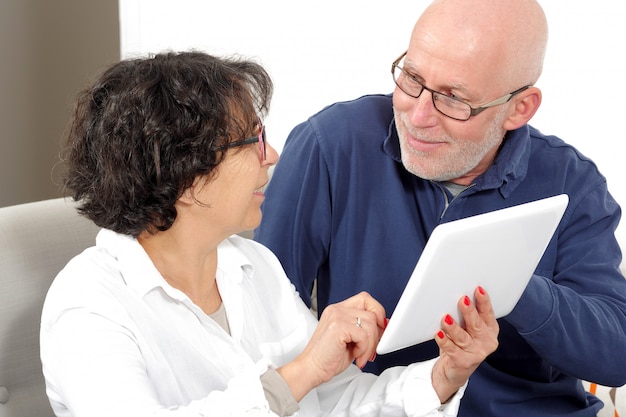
<point>525,106</point>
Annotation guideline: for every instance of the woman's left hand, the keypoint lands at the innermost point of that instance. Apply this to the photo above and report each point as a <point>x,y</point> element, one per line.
<point>463,349</point>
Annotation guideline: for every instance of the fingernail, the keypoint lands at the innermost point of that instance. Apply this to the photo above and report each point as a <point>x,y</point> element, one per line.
<point>481,290</point>
<point>386,322</point>
<point>448,319</point>
<point>440,334</point>
<point>466,300</point>
<point>373,357</point>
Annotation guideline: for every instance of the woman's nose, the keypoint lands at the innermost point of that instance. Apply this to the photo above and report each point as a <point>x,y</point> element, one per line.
<point>271,155</point>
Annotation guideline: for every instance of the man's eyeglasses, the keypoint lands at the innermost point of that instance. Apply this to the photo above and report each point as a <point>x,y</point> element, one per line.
<point>446,105</point>
<point>259,138</point>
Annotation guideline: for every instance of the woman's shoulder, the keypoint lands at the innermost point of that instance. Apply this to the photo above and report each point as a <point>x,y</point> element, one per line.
<point>84,284</point>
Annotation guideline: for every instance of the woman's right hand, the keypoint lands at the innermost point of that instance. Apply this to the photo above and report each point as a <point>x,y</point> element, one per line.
<point>347,331</point>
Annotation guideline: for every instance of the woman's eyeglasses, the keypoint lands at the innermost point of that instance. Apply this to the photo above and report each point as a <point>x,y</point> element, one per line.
<point>259,138</point>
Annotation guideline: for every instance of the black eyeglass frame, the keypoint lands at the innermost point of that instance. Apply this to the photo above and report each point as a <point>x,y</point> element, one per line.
<point>473,110</point>
<point>258,138</point>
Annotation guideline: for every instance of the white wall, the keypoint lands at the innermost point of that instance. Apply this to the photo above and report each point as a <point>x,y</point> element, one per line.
<point>336,50</point>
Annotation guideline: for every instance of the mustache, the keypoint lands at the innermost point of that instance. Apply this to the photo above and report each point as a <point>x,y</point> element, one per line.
<point>403,126</point>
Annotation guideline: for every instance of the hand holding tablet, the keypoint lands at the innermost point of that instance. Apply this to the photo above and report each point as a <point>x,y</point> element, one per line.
<point>498,250</point>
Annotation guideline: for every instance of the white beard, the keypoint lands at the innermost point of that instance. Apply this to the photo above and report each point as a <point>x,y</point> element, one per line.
<point>462,158</point>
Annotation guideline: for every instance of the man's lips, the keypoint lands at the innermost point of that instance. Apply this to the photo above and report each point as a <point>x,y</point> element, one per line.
<point>422,145</point>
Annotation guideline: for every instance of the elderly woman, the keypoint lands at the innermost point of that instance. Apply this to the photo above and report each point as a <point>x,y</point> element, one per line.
<point>172,313</point>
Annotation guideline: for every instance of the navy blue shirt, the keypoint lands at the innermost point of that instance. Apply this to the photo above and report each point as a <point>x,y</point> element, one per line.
<point>340,207</point>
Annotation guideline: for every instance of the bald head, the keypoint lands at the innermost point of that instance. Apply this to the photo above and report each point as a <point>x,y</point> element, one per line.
<point>504,39</point>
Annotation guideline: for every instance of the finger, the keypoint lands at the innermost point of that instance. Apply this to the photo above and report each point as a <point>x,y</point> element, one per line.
<point>491,327</point>
<point>364,301</point>
<point>474,323</point>
<point>442,340</point>
<point>454,333</point>
<point>355,329</point>
<point>365,336</point>
<point>484,306</point>
<point>361,340</point>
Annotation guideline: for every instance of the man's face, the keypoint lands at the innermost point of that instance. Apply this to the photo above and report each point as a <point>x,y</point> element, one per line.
<point>437,147</point>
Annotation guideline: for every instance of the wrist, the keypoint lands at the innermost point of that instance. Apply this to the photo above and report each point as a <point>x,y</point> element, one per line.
<point>443,386</point>
<point>299,377</point>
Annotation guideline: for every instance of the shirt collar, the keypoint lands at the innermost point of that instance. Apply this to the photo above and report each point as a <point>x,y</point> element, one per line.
<point>232,262</point>
<point>140,274</point>
<point>137,270</point>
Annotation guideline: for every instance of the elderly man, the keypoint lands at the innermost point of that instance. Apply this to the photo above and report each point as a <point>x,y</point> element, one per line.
<point>361,185</point>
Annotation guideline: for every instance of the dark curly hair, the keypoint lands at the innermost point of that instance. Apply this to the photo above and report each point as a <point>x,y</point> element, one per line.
<point>147,127</point>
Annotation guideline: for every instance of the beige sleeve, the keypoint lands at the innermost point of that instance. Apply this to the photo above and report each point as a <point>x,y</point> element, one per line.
<point>278,394</point>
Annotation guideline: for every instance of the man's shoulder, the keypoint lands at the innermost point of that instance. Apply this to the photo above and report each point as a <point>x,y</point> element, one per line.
<point>548,146</point>
<point>368,116</point>
<point>361,108</point>
<point>566,166</point>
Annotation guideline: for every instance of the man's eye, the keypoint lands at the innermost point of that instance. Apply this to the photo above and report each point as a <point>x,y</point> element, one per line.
<point>413,79</point>
<point>452,97</point>
<point>450,94</point>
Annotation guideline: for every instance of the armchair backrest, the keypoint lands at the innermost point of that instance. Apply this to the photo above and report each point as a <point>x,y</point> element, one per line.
<point>36,241</point>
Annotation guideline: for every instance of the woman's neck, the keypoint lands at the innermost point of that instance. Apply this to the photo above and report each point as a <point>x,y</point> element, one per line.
<point>186,265</point>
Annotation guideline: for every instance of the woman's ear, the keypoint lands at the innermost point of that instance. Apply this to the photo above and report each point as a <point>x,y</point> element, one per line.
<point>525,106</point>
<point>188,195</point>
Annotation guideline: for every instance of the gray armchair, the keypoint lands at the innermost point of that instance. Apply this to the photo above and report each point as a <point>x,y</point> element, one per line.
<point>36,241</point>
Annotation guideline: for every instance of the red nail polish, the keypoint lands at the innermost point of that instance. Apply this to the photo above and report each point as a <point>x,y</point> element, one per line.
<point>448,319</point>
<point>440,334</point>
<point>466,300</point>
<point>481,290</point>
<point>373,357</point>
<point>386,322</point>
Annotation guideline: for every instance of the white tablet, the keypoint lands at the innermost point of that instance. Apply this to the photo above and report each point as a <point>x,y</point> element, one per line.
<point>498,250</point>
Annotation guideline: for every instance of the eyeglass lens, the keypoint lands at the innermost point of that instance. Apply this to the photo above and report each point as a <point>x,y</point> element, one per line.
<point>448,106</point>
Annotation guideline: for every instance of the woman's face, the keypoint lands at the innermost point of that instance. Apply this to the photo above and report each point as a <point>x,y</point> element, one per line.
<point>231,199</point>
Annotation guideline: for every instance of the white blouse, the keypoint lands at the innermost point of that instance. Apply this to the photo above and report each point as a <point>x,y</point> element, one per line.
<point>117,340</point>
